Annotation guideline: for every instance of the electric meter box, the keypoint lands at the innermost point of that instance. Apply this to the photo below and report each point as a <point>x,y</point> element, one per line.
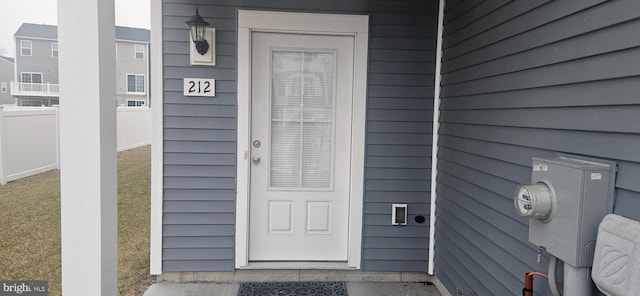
<point>582,194</point>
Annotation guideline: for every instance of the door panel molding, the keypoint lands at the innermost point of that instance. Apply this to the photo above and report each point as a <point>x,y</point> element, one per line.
<point>306,23</point>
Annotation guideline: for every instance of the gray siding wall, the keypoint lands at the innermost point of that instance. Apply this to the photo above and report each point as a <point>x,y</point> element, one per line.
<point>6,76</point>
<point>40,60</point>
<point>199,134</point>
<point>523,79</point>
<point>126,63</point>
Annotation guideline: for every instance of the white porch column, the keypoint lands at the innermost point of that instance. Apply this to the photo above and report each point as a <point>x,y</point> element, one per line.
<point>86,36</point>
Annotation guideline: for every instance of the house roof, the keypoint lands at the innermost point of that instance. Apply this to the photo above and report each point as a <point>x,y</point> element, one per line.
<point>37,31</point>
<point>8,59</point>
<point>133,34</point>
<point>51,32</point>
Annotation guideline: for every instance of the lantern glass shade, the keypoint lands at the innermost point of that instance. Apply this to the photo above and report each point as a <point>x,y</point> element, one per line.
<point>197,32</point>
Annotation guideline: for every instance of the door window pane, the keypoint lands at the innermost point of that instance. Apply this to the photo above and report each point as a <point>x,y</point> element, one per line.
<point>302,119</point>
<point>286,89</point>
<point>318,87</point>
<point>317,148</point>
<point>285,154</point>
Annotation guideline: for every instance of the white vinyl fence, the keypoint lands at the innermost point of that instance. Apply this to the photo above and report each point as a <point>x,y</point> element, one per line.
<point>134,127</point>
<point>29,138</point>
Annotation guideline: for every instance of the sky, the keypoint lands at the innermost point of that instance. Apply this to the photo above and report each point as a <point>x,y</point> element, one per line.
<point>129,13</point>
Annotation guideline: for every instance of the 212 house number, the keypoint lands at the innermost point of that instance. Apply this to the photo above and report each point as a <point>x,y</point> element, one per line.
<point>197,87</point>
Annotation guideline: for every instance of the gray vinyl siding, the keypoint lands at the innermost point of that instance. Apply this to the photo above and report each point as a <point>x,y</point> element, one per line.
<point>6,76</point>
<point>40,60</point>
<point>200,134</point>
<point>523,79</point>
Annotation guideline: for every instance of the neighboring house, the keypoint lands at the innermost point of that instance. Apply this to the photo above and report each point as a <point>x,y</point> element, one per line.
<point>132,66</point>
<point>6,76</point>
<point>36,78</point>
<point>294,165</point>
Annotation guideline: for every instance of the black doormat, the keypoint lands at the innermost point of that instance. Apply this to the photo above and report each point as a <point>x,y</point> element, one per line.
<point>293,289</point>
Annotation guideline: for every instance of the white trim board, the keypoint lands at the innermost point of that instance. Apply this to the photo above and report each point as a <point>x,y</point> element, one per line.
<point>307,23</point>
<point>35,38</point>
<point>434,143</point>
<point>157,147</point>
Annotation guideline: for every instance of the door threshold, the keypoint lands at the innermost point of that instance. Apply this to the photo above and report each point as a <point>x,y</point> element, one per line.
<point>299,265</point>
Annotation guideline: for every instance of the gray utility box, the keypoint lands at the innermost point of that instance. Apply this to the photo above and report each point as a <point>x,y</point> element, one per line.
<point>582,194</point>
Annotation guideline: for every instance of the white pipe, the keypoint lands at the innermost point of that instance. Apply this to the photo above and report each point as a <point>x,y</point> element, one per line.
<point>553,283</point>
<point>434,143</point>
<point>577,281</point>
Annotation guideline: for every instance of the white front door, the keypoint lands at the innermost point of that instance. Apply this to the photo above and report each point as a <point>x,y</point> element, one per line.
<point>301,113</point>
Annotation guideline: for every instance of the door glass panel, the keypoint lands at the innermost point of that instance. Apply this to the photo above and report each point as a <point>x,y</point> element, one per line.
<point>318,87</point>
<point>302,119</point>
<point>285,154</point>
<point>316,145</point>
<point>286,86</point>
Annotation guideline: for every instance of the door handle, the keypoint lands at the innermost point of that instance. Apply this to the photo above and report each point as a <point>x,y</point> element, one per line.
<point>255,159</point>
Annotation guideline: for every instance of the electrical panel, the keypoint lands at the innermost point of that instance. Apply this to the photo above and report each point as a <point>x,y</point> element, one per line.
<point>565,203</point>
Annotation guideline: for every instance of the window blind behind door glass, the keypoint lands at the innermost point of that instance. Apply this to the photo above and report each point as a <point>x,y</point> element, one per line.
<point>302,119</point>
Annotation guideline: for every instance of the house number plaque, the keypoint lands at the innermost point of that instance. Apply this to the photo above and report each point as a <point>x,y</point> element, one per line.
<point>199,87</point>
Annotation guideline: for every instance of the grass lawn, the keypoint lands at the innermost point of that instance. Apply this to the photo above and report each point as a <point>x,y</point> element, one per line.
<point>30,226</point>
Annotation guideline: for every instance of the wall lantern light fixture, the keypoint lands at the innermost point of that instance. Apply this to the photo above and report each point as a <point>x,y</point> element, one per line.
<point>198,26</point>
<point>203,39</point>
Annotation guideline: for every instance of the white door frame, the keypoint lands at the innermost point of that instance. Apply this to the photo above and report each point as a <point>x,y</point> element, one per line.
<point>307,23</point>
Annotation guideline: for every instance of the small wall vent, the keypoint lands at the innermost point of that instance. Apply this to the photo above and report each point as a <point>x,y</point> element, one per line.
<point>399,214</point>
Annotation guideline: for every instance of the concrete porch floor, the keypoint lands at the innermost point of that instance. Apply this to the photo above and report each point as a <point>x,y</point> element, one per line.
<point>353,288</point>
